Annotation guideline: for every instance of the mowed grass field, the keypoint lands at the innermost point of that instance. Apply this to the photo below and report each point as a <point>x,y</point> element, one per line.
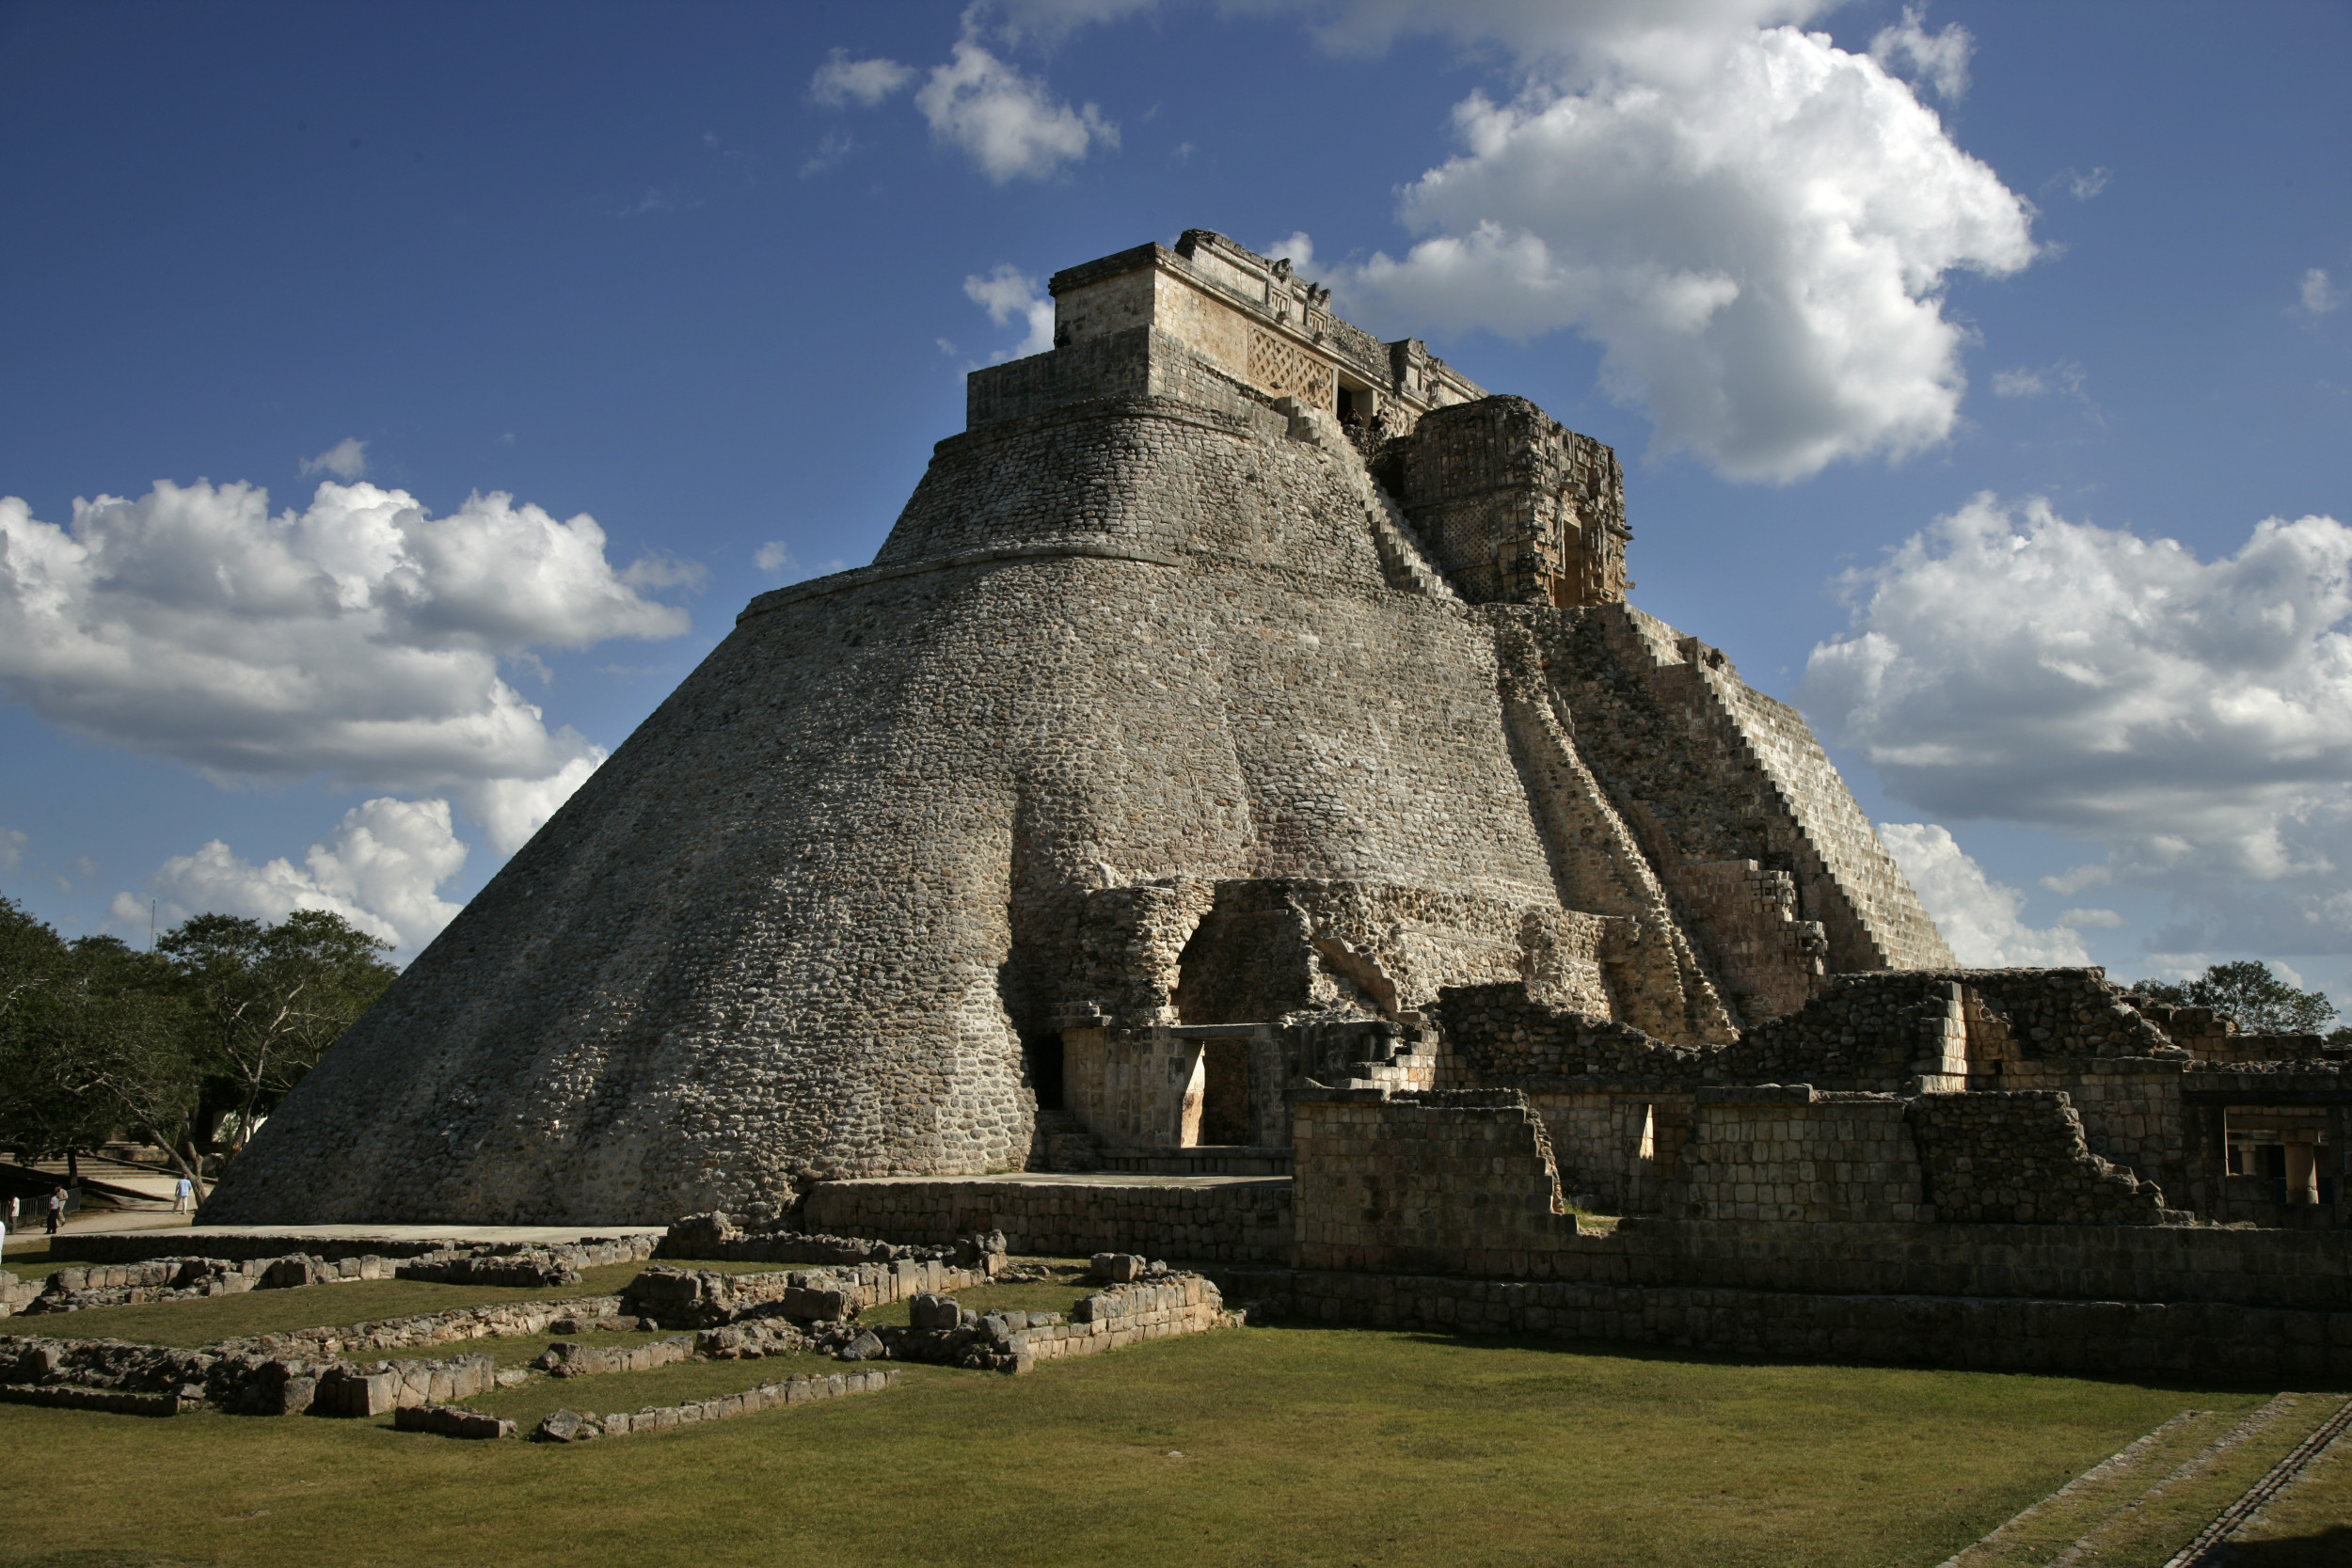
<point>1278,1445</point>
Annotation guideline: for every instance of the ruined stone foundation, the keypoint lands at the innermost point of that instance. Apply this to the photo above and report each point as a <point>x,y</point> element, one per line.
<point>1232,672</point>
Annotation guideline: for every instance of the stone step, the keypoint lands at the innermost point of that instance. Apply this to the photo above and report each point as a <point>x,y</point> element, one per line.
<point>2168,1489</point>
<point>66,1395</point>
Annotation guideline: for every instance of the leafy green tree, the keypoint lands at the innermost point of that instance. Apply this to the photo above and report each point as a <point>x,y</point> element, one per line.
<point>121,1051</point>
<point>94,1038</point>
<point>2262,1002</point>
<point>271,999</point>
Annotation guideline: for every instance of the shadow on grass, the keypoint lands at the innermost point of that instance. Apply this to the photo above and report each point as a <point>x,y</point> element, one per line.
<point>101,1559</point>
<point>1689,1356</point>
<point>2330,1548</point>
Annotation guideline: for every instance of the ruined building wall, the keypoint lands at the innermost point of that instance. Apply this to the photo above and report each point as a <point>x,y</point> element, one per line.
<point>1515,507</point>
<point>1605,1089</point>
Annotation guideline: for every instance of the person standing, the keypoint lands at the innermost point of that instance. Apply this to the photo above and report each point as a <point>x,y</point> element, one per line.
<point>56,1208</point>
<point>180,1191</point>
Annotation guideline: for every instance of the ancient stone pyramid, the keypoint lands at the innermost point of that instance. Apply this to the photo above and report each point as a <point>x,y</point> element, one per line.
<point>1231,667</point>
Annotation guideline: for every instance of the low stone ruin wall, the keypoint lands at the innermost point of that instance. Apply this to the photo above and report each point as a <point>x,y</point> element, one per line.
<point>529,1268</point>
<point>456,1325</point>
<point>177,1277</point>
<point>112,1402</point>
<point>1150,1304</point>
<point>1786,1152</point>
<point>716,1237</point>
<point>1120,1315</point>
<point>373,1388</point>
<point>77,1290</point>
<point>450,1421</point>
<point>570,1425</point>
<point>17,1295</point>
<point>2019,1158</point>
<point>135,1246</point>
<point>1451,1185</point>
<point>1240,1221</point>
<point>2204,1341</point>
<point>162,1379</point>
<point>568,1358</point>
<point>704,1298</point>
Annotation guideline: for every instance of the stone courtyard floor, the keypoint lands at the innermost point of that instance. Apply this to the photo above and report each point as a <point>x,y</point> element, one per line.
<point>1266,1445</point>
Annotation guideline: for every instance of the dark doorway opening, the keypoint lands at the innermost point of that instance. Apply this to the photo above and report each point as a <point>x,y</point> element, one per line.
<point>1041,1058</point>
<point>1225,1093</point>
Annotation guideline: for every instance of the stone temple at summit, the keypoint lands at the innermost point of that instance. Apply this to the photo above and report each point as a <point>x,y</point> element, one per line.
<point>1240,706</point>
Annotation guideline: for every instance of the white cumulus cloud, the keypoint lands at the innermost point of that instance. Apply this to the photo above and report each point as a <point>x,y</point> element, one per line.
<point>842,81</point>
<point>1981,919</point>
<point>1010,123</point>
<point>1010,294</point>
<point>1939,58</point>
<point>379,870</point>
<point>2195,717</point>
<point>346,459</point>
<point>1756,226</point>
<point>2318,293</point>
<point>360,638</point>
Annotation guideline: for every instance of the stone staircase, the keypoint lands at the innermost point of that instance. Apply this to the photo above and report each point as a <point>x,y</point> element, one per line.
<point>1402,556</point>
<point>1402,559</point>
<point>1066,1144</point>
<point>1409,1062</point>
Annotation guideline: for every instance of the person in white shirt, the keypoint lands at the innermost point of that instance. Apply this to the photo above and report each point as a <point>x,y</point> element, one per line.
<point>180,1195</point>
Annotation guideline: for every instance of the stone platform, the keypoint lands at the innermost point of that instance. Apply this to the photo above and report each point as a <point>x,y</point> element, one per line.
<point>1234,1219</point>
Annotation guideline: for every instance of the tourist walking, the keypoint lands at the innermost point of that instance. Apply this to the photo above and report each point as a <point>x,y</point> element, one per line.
<point>56,1208</point>
<point>180,1191</point>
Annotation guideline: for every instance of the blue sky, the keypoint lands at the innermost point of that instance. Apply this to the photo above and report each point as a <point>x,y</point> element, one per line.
<point>1915,361</point>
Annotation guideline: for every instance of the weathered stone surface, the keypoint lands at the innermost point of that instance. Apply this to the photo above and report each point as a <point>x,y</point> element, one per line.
<point>1152,617</point>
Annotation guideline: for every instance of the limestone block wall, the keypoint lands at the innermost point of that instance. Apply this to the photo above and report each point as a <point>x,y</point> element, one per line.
<point>1405,1180</point>
<point>1598,1083</point>
<point>2187,1340</point>
<point>1236,1220</point>
<point>1773,961</point>
<point>1513,506</point>
<point>1390,1183</point>
<point>2130,1109</point>
<point>2019,1158</point>
<point>1139,362</point>
<point>1785,1153</point>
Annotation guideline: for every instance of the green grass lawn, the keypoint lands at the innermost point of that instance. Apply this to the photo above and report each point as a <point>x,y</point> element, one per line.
<point>2309,1524</point>
<point>1276,1446</point>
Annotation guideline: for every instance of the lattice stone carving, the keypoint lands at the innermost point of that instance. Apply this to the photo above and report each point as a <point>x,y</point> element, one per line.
<point>1280,366</point>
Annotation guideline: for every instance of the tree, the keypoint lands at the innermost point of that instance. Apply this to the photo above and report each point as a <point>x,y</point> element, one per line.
<point>36,973</point>
<point>120,1051</point>
<point>94,1038</point>
<point>273,998</point>
<point>2262,1002</point>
